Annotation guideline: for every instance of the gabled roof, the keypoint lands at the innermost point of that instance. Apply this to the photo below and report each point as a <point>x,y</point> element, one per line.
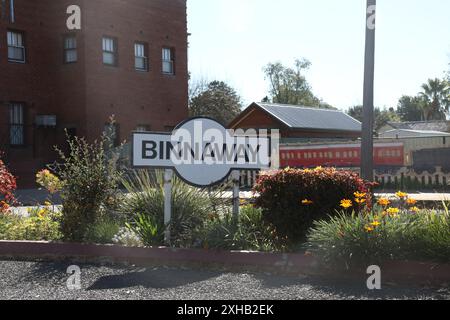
<point>441,126</point>
<point>402,133</point>
<point>301,118</point>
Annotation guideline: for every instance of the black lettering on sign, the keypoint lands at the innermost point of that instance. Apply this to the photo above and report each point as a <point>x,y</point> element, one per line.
<point>149,150</point>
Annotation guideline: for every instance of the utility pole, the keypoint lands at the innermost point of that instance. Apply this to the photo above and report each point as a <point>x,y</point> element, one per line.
<point>367,165</point>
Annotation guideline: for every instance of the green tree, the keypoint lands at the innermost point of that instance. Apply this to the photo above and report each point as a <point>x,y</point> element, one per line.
<point>436,95</point>
<point>289,85</point>
<point>381,116</point>
<point>217,100</point>
<point>410,108</point>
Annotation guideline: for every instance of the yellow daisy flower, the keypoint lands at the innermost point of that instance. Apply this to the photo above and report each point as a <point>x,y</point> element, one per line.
<point>360,195</point>
<point>346,203</point>
<point>375,224</point>
<point>401,195</point>
<point>393,211</point>
<point>384,202</point>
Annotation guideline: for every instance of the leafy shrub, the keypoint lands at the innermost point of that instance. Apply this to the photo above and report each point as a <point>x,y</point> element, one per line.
<point>248,232</point>
<point>103,231</point>
<point>353,240</point>
<point>144,206</point>
<point>293,199</point>
<point>7,186</point>
<point>41,225</point>
<point>90,179</point>
<point>147,228</point>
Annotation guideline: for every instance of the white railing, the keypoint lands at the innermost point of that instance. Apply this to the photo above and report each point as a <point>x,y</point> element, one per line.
<point>399,177</point>
<point>408,175</point>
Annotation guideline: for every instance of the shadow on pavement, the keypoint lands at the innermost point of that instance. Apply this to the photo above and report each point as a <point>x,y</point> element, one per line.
<point>156,279</point>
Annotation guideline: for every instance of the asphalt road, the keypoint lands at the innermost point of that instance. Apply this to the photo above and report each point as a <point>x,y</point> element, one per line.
<point>39,281</point>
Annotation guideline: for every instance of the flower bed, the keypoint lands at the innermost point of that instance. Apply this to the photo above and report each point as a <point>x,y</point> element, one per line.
<point>333,210</point>
<point>396,229</point>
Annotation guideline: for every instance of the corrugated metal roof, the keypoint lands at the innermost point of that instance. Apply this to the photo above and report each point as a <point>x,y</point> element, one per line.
<point>442,126</point>
<point>298,117</point>
<point>402,133</point>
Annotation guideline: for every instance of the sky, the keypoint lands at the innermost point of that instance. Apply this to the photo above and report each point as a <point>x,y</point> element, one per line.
<point>232,40</point>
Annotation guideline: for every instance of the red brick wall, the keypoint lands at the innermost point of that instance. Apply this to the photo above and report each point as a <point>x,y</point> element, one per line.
<point>85,94</point>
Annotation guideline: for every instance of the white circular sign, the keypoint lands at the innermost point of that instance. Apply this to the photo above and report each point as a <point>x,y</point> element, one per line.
<point>202,151</point>
<point>206,138</point>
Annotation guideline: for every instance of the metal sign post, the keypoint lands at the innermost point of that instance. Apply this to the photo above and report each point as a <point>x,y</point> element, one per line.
<point>236,176</point>
<point>168,175</point>
<point>367,166</point>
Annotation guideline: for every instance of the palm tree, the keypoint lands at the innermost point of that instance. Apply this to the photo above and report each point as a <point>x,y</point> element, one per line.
<point>436,96</point>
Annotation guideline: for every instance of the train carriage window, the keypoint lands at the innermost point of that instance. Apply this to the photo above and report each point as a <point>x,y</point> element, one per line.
<point>338,155</point>
<point>321,155</point>
<point>345,155</point>
<point>315,155</point>
<point>283,156</point>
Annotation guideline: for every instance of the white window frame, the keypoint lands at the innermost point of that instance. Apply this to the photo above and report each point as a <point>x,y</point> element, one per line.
<point>70,49</point>
<point>168,61</point>
<point>15,41</point>
<point>140,56</point>
<point>109,47</point>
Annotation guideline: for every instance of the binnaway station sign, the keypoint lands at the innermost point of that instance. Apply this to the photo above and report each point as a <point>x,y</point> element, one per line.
<point>203,153</point>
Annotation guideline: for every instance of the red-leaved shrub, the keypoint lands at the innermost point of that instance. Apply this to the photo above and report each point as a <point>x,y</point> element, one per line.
<point>7,187</point>
<point>293,199</point>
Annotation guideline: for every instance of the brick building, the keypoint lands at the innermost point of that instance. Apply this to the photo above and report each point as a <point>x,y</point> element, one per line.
<point>129,59</point>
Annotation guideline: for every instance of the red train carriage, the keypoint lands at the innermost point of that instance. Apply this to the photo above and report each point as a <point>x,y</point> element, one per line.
<point>339,155</point>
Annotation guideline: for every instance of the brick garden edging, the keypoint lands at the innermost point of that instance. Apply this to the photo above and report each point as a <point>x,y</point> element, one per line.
<point>293,264</point>
<point>31,250</point>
